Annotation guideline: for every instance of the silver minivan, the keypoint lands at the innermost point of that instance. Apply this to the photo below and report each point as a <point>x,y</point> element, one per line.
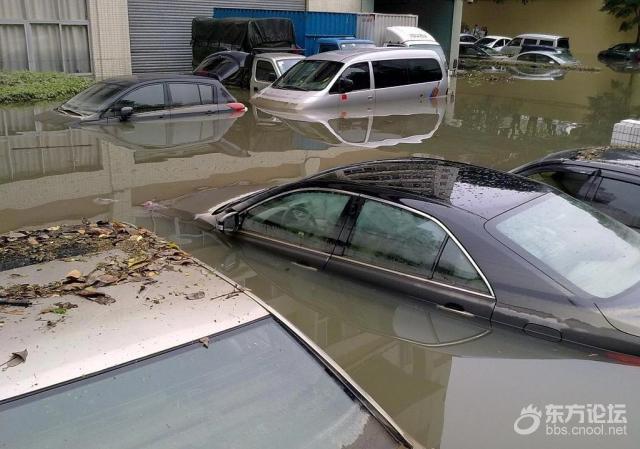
<point>357,77</point>
<point>546,40</point>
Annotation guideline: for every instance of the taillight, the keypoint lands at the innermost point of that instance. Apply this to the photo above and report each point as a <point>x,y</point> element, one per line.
<point>625,359</point>
<point>237,107</point>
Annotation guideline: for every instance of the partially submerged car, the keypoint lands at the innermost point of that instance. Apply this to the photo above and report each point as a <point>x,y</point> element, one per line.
<point>494,42</point>
<point>558,58</point>
<point>478,243</point>
<point>343,79</point>
<point>472,55</point>
<point>621,52</point>
<point>142,338</point>
<point>608,178</point>
<point>148,97</point>
<point>545,40</point>
<point>268,67</point>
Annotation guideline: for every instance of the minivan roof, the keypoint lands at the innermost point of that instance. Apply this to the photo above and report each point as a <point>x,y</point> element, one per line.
<point>541,36</point>
<point>409,34</point>
<point>369,54</point>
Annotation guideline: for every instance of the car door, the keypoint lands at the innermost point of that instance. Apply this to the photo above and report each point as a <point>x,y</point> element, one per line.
<point>513,47</point>
<point>263,75</point>
<point>619,198</point>
<point>191,99</point>
<point>149,102</point>
<point>353,90</point>
<point>410,252</point>
<point>303,225</point>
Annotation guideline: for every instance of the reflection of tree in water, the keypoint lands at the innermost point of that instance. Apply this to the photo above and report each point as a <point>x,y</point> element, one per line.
<point>505,118</point>
<point>605,110</point>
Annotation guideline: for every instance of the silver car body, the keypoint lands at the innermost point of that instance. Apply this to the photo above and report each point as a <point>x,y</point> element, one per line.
<point>267,65</point>
<point>495,42</point>
<point>546,58</point>
<point>283,99</point>
<point>515,46</point>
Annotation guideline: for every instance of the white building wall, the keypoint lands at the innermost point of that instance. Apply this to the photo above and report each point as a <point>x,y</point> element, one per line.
<point>340,5</point>
<point>109,30</point>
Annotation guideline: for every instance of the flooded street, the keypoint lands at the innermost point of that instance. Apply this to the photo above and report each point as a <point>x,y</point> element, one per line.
<point>444,380</point>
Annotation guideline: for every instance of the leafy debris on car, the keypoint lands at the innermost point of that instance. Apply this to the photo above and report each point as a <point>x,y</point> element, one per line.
<point>16,359</point>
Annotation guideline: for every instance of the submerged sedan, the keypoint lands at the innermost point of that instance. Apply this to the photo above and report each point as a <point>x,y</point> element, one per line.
<point>479,243</point>
<point>146,97</point>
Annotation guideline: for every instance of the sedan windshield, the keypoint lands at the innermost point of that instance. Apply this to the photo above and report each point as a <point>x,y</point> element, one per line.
<point>587,248</point>
<point>94,99</point>
<point>486,41</point>
<point>309,75</point>
<point>252,387</point>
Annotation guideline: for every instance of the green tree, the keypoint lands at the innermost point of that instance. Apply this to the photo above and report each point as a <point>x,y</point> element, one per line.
<point>628,10</point>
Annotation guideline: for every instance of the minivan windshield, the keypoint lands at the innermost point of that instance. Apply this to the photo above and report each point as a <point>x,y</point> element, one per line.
<point>93,99</point>
<point>309,75</point>
<point>252,387</point>
<point>595,253</point>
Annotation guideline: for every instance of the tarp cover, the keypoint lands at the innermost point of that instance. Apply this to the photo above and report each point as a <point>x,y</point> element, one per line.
<point>210,35</point>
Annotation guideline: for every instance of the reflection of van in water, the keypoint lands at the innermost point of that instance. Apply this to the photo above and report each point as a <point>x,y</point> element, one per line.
<point>358,77</point>
<point>385,125</point>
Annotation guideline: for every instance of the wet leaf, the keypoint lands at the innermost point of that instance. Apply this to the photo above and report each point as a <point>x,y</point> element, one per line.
<point>32,241</point>
<point>74,274</point>
<point>16,359</point>
<point>107,279</point>
<point>196,295</point>
<point>53,228</point>
<point>204,341</point>
<point>136,261</point>
<point>96,296</point>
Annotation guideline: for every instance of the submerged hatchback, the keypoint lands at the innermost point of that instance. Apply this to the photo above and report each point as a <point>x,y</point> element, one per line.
<point>477,242</point>
<point>357,77</point>
<point>148,97</point>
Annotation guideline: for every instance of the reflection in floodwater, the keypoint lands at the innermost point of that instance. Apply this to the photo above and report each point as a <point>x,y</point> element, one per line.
<point>434,374</point>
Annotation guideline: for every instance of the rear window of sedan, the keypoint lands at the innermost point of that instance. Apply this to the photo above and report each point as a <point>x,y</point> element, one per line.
<point>592,251</point>
<point>252,387</point>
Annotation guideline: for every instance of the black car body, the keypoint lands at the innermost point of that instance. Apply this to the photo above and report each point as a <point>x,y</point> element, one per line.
<point>147,97</point>
<point>232,68</point>
<point>621,52</point>
<point>606,178</point>
<point>479,243</point>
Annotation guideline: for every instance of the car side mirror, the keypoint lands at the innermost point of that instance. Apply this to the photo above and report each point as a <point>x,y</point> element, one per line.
<point>125,113</point>
<point>228,223</point>
<point>346,85</point>
<point>271,77</point>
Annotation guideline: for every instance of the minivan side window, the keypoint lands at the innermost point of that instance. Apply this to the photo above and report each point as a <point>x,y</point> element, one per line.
<point>263,70</point>
<point>424,71</point>
<point>390,73</point>
<point>547,43</point>
<point>358,74</point>
<point>184,94</point>
<point>396,239</point>
<point>530,42</point>
<point>146,99</point>
<point>308,219</point>
<point>563,43</point>
<point>515,42</point>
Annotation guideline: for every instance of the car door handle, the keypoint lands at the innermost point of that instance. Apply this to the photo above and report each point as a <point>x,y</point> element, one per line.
<point>456,311</point>
<point>305,266</point>
<point>370,97</point>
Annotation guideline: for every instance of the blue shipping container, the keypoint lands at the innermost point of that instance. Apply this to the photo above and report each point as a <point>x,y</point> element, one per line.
<point>309,26</point>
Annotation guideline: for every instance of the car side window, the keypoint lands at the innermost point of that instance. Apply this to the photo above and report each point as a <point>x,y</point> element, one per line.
<point>563,43</point>
<point>530,42</point>
<point>184,94</point>
<point>527,58</point>
<point>309,219</point>
<point>544,59</point>
<point>396,239</point>
<point>568,182</point>
<point>265,71</point>
<point>619,199</point>
<point>358,74</point>
<point>547,43</point>
<point>455,268</point>
<point>145,99</point>
<point>207,94</point>
<point>515,42</point>
<point>390,73</point>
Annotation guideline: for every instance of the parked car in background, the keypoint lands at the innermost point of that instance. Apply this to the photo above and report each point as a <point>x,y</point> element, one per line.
<point>463,237</point>
<point>471,55</point>
<point>546,40</point>
<point>559,58</point>
<point>199,363</point>
<point>466,37</point>
<point>343,79</point>
<point>149,97</point>
<point>228,67</point>
<point>494,42</point>
<point>621,52</point>
<point>267,67</point>
<point>413,37</point>
<point>342,43</point>
<point>606,178</point>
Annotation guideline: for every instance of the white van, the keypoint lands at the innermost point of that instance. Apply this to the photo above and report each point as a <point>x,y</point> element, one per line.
<point>412,37</point>
<point>546,40</point>
<point>364,76</point>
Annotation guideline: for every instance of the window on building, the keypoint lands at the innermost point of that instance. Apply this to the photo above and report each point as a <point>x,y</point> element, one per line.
<point>44,35</point>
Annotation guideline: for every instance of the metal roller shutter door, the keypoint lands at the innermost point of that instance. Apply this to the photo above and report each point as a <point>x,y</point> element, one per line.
<point>160,30</point>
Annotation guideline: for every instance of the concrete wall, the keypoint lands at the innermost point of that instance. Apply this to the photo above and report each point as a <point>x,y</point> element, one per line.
<point>109,28</point>
<point>340,5</point>
<point>588,29</point>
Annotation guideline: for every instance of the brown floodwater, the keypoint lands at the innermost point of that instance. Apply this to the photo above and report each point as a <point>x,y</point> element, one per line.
<point>449,383</point>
